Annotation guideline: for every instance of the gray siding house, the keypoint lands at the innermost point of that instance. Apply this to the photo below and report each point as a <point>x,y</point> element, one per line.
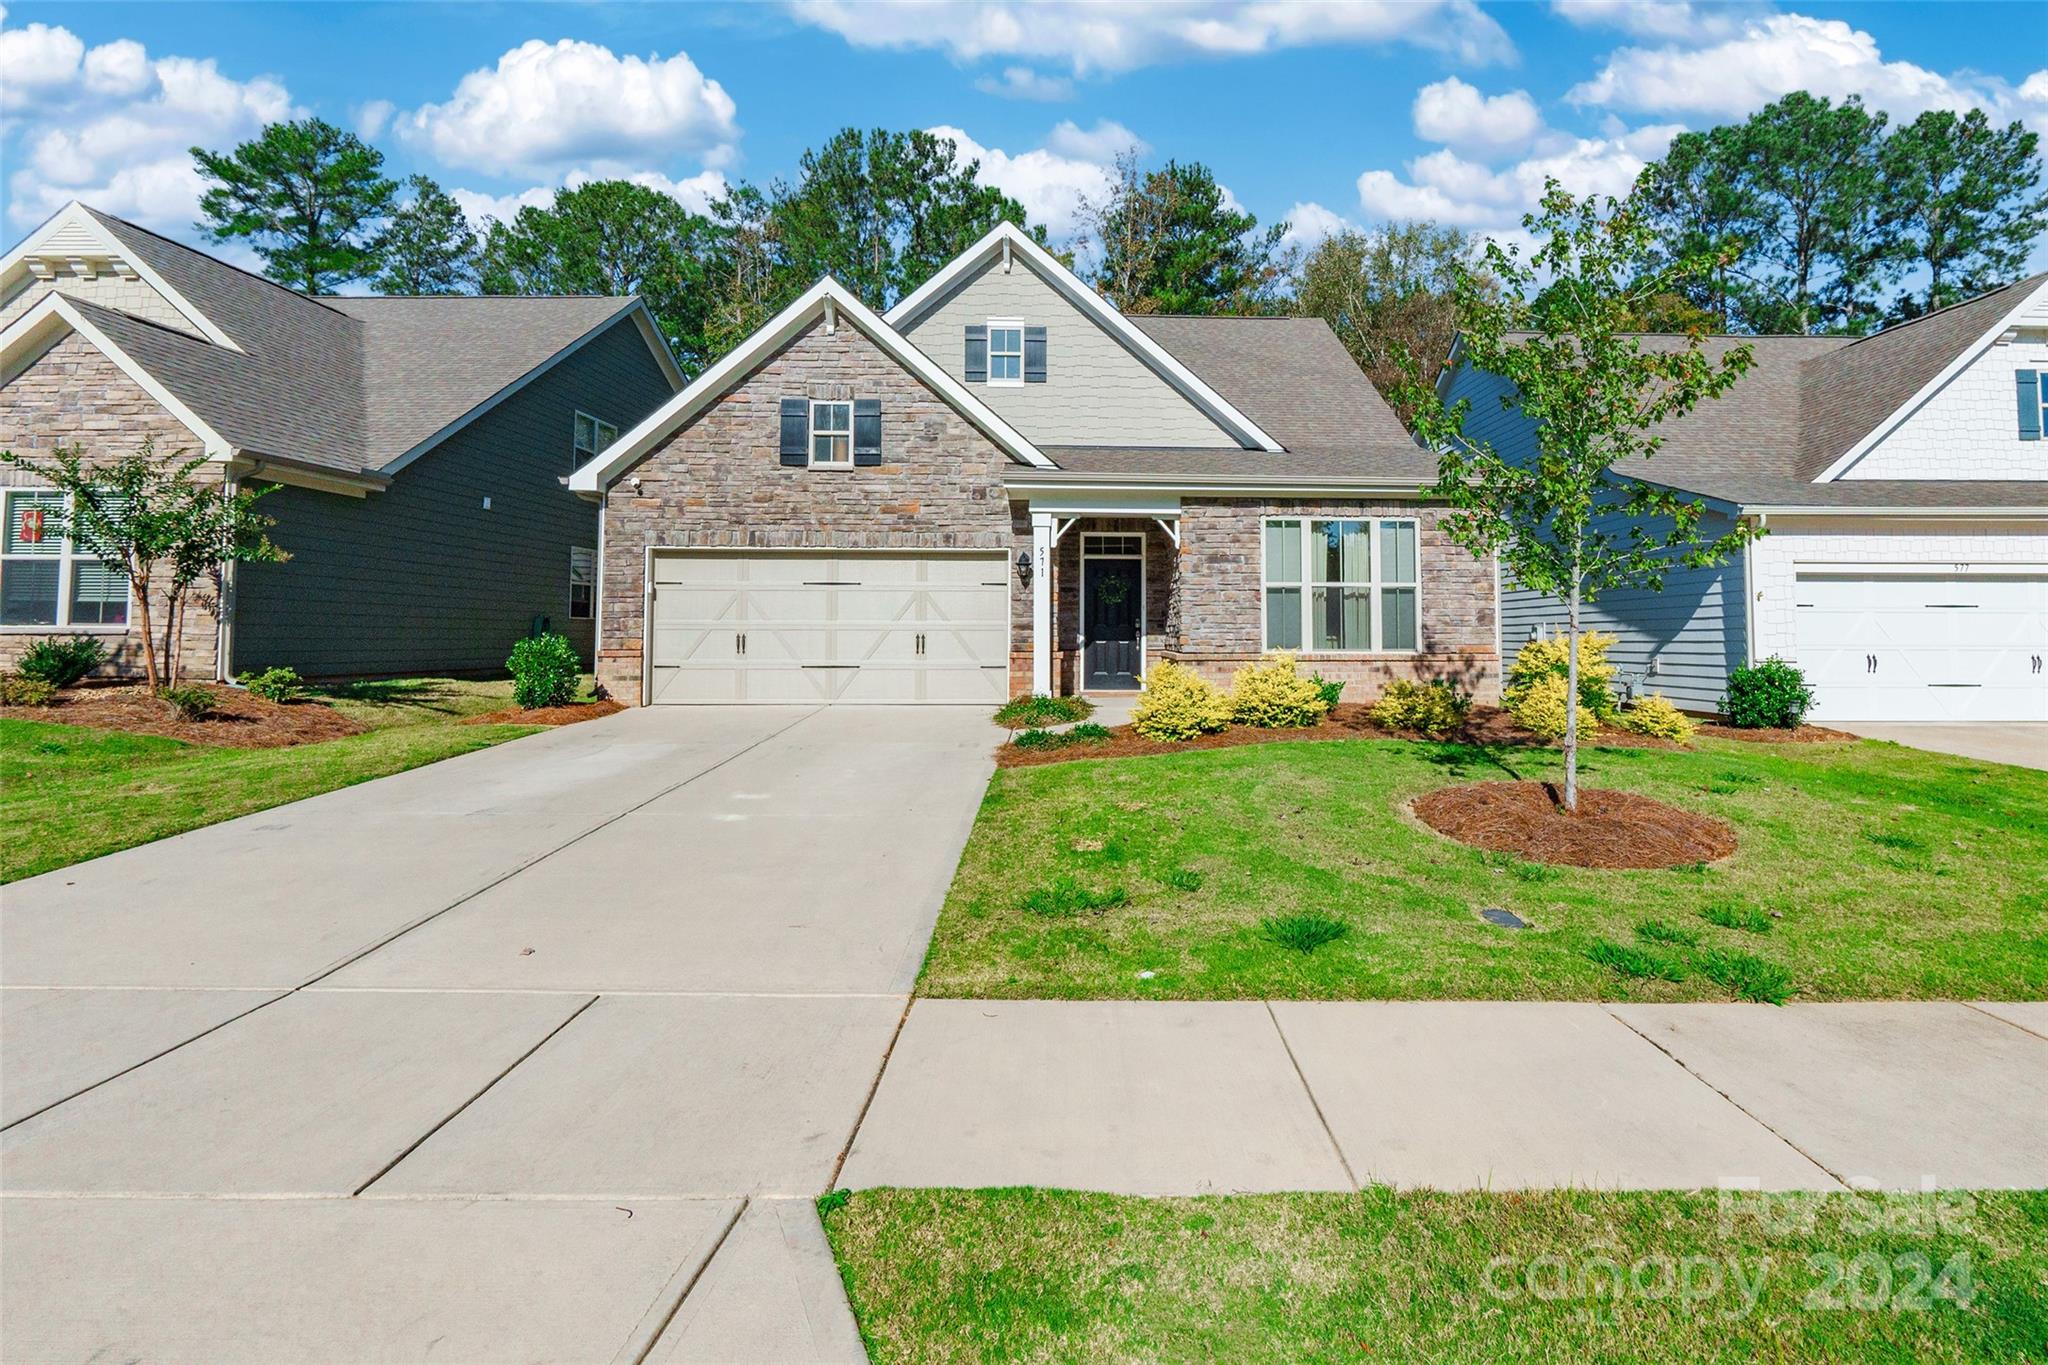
<point>420,449</point>
<point>1899,483</point>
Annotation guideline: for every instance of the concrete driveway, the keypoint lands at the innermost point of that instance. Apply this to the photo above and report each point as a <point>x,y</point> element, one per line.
<point>2022,743</point>
<point>538,1053</point>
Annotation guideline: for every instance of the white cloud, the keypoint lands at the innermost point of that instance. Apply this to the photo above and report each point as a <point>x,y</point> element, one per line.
<point>1773,56</point>
<point>372,117</point>
<point>1120,35</point>
<point>1674,20</point>
<point>548,106</point>
<point>1453,112</point>
<point>1102,144</point>
<point>694,193</point>
<point>1309,225</point>
<point>114,126</point>
<point>1049,184</point>
<point>2035,88</point>
<point>1022,83</point>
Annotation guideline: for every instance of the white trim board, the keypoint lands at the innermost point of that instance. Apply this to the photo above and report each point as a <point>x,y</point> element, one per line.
<point>1008,241</point>
<point>778,332</point>
<point>76,215</point>
<point>1144,622</point>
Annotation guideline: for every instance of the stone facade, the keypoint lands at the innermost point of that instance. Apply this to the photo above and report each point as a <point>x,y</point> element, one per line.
<point>73,395</point>
<point>719,483</point>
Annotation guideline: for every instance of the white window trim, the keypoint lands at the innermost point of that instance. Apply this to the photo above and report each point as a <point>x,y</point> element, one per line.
<point>1144,548</point>
<point>811,433</point>
<point>67,556</point>
<point>590,562</point>
<point>1009,325</point>
<point>607,432</point>
<point>1306,584</point>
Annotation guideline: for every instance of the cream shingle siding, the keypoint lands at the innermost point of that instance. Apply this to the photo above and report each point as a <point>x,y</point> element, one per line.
<point>1096,391</point>
<point>129,296</point>
<point>1969,429</point>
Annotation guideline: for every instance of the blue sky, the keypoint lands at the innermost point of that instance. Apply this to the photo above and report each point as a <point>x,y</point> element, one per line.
<point>1322,113</point>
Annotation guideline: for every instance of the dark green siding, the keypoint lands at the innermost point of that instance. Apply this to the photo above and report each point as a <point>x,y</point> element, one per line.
<point>421,578</point>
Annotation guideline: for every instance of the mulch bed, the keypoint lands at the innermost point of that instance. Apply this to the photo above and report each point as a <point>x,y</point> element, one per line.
<point>1805,734</point>
<point>241,720</point>
<point>1612,829</point>
<point>548,715</point>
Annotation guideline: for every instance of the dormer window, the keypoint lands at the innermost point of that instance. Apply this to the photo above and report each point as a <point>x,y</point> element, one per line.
<point>1005,351</point>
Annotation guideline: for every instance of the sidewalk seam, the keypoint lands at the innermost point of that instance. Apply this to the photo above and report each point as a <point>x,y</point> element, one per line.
<point>1309,1090</point>
<point>1740,1108</point>
<point>874,1088</point>
<point>690,1285</point>
<point>1999,1018</point>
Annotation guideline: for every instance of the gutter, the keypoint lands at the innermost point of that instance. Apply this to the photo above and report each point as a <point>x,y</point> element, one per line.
<point>1096,483</point>
<point>303,474</point>
<point>1922,513</point>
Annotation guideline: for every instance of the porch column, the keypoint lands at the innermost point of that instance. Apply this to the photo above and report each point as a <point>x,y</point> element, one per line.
<point>1041,603</point>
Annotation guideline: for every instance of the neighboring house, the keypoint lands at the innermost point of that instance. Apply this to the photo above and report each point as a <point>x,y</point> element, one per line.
<point>1007,486</point>
<point>1901,480</point>
<point>422,449</point>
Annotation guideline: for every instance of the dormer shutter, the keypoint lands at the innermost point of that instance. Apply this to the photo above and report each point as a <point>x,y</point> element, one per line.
<point>867,431</point>
<point>1034,355</point>
<point>977,355</point>
<point>796,431</point>
<point>2030,403</point>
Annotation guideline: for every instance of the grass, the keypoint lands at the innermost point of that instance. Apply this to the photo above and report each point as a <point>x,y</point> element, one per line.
<point>1032,1275</point>
<point>1286,829</point>
<point>1065,897</point>
<point>1032,713</point>
<point>69,793</point>
<point>1637,964</point>
<point>1303,933</point>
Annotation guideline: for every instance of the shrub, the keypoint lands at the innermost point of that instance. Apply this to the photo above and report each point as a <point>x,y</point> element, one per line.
<point>1539,709</point>
<point>1772,695</point>
<point>1332,692</point>
<point>61,663</point>
<point>545,671</point>
<point>1303,933</point>
<point>16,690</point>
<point>1551,657</point>
<point>1038,711</point>
<point>1272,696</point>
<point>1089,733</point>
<point>275,684</point>
<point>1653,715</point>
<point>1178,703</point>
<point>189,700</point>
<point>1435,709</point>
<point>1066,897</point>
<point>1746,976</point>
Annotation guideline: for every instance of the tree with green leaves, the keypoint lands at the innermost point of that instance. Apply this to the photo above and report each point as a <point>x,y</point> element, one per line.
<point>216,525</point>
<point>1166,241</point>
<point>1703,207</point>
<point>1965,198</point>
<point>1387,294</point>
<point>310,198</point>
<point>429,246</point>
<point>1576,517</point>
<point>610,237</point>
<point>746,278</point>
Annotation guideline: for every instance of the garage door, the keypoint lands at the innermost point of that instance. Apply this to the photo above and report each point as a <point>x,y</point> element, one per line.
<point>1924,647</point>
<point>829,627</point>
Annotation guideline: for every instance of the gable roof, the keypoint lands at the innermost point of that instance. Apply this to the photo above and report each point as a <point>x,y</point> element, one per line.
<point>349,386</point>
<point>827,299</point>
<point>1008,241</point>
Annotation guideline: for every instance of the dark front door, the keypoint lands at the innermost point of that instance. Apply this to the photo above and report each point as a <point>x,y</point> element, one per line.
<point>1109,652</point>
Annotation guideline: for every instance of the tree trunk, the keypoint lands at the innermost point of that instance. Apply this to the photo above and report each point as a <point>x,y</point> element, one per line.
<point>139,576</point>
<point>1571,706</point>
<point>173,603</point>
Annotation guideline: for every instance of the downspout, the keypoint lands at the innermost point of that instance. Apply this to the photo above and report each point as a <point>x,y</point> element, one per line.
<point>223,625</point>
<point>1749,594</point>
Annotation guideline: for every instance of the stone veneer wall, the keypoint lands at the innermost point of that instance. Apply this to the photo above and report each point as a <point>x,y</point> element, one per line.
<point>718,483</point>
<point>1215,621</point>
<point>73,395</point>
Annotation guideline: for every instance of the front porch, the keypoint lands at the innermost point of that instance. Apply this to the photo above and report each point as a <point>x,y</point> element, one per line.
<point>1102,597</point>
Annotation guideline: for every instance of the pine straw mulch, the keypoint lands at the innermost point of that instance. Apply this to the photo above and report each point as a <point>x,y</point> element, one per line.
<point>1612,829</point>
<point>1804,734</point>
<point>240,720</point>
<point>548,715</point>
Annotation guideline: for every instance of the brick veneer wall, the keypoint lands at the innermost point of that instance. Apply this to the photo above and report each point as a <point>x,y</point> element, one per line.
<point>73,395</point>
<point>1159,590</point>
<point>719,483</point>
<point>1216,612</point>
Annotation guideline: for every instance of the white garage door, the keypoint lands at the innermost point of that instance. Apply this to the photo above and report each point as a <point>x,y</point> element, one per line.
<point>804,626</point>
<point>1925,647</point>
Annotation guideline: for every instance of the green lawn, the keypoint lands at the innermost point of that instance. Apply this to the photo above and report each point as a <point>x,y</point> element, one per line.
<point>1865,871</point>
<point>68,793</point>
<point>1029,1275</point>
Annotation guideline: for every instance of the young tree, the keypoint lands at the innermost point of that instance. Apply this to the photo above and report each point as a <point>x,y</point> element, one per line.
<point>429,247</point>
<point>1564,521</point>
<point>1167,242</point>
<point>610,237</point>
<point>215,526</point>
<point>1386,293</point>
<point>1964,195</point>
<point>309,197</point>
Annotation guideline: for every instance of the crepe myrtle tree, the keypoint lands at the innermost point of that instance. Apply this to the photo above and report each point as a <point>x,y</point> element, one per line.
<point>1577,516</point>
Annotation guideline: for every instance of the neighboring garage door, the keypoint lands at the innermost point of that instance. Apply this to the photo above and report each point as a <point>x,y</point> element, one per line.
<point>840,626</point>
<point>1925,647</point>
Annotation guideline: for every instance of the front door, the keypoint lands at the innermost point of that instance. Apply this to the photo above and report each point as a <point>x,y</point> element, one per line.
<point>1112,591</point>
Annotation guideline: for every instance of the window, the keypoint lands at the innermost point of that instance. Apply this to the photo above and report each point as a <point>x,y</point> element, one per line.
<point>582,583</point>
<point>1341,585</point>
<point>831,433</point>
<point>1005,351</point>
<point>44,579</point>
<point>592,436</point>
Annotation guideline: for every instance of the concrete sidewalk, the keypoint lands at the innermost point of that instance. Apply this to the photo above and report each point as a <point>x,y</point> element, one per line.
<point>1203,1098</point>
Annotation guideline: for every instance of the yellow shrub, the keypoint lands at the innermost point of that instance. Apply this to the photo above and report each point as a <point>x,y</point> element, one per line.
<point>1551,658</point>
<point>1539,708</point>
<point>1178,703</point>
<point>1272,696</point>
<point>1653,715</point>
<point>1434,709</point>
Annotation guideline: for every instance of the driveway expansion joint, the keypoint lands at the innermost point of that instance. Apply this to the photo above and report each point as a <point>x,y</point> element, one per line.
<point>1314,1103</point>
